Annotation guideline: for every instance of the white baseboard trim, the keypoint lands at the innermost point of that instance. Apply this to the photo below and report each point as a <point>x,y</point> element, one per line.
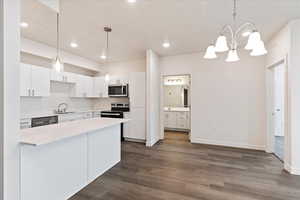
<point>292,170</point>
<point>228,144</point>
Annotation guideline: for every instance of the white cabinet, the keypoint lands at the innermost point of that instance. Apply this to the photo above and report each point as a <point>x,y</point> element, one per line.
<point>126,126</point>
<point>83,86</point>
<point>177,120</point>
<point>34,81</point>
<point>118,79</point>
<point>136,128</point>
<point>137,89</point>
<point>63,77</point>
<point>40,81</point>
<point>100,87</point>
<point>25,123</point>
<point>25,80</point>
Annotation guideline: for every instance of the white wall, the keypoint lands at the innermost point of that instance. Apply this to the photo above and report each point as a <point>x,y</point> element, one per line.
<point>227,99</point>
<point>294,97</point>
<point>153,127</point>
<point>125,67</point>
<point>9,99</point>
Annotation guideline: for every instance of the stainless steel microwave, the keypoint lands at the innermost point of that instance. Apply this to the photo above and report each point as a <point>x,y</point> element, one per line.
<point>118,90</point>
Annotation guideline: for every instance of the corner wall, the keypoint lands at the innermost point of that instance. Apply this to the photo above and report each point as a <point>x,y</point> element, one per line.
<point>9,99</point>
<point>153,127</point>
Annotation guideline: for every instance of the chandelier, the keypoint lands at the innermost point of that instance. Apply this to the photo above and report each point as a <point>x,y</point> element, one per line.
<point>248,29</point>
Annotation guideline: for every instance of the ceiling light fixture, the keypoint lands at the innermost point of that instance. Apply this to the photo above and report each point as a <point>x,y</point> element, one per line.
<point>255,43</point>
<point>57,63</point>
<point>73,45</point>
<point>166,44</point>
<point>105,52</point>
<point>24,24</point>
<point>131,1</point>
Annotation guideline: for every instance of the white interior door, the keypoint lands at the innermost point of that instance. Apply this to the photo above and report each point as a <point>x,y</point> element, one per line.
<point>278,109</point>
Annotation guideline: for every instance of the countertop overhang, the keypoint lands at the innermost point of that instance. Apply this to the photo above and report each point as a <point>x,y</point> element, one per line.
<point>56,132</point>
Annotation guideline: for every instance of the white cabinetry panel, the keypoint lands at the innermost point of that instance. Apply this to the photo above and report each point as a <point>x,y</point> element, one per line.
<point>137,124</point>
<point>104,151</point>
<point>137,89</point>
<point>100,87</point>
<point>40,78</point>
<point>176,120</point>
<point>25,80</point>
<point>45,174</point>
<point>34,81</point>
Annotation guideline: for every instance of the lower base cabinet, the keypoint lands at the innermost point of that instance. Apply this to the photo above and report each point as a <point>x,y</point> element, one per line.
<point>59,170</point>
<point>176,120</point>
<point>136,128</point>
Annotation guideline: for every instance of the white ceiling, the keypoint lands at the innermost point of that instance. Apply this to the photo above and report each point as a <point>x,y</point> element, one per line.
<point>190,25</point>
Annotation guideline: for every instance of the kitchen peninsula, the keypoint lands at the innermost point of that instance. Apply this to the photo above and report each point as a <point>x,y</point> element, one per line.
<point>59,160</point>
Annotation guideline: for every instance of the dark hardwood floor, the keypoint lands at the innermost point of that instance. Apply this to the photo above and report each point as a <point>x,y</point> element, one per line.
<point>177,170</point>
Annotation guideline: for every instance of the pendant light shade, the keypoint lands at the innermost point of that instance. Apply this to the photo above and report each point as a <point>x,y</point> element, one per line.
<point>232,56</point>
<point>57,64</point>
<point>221,44</point>
<point>105,51</point>
<point>210,52</point>
<point>259,49</point>
<point>253,40</point>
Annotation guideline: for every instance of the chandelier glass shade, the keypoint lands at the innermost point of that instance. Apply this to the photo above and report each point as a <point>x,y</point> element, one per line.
<point>254,44</point>
<point>210,52</point>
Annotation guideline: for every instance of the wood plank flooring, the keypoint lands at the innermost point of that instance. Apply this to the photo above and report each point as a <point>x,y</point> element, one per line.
<point>177,170</point>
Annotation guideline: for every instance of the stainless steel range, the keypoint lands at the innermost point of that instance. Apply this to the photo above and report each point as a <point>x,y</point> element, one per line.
<point>117,111</point>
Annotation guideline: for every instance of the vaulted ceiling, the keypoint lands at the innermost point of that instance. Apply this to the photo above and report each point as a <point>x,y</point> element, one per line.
<point>189,25</point>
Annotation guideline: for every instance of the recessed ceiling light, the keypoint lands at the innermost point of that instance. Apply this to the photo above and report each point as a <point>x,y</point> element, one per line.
<point>73,45</point>
<point>103,57</point>
<point>24,24</point>
<point>166,44</point>
<point>246,33</point>
<point>131,1</point>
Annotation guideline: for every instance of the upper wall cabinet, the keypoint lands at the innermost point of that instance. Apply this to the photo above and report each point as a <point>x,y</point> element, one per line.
<point>34,81</point>
<point>83,86</point>
<point>137,89</point>
<point>63,77</point>
<point>118,79</point>
<point>100,88</point>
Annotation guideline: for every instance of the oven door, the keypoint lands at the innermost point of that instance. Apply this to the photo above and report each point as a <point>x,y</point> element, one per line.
<point>118,90</point>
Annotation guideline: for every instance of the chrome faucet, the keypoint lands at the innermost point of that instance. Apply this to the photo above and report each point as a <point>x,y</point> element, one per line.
<point>62,108</point>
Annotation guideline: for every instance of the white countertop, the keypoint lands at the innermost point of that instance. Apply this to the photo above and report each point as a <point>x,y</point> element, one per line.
<point>45,114</point>
<point>177,109</point>
<point>56,132</point>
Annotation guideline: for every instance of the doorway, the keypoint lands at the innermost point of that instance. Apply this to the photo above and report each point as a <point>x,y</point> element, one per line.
<point>176,107</point>
<point>279,110</point>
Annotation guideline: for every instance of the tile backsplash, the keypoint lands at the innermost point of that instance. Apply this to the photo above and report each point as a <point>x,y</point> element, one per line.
<point>59,93</point>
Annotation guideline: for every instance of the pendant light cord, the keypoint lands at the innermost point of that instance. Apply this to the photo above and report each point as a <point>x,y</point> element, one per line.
<point>107,38</point>
<point>57,34</point>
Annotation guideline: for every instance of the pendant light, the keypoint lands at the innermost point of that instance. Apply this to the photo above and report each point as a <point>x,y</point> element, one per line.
<point>105,51</point>
<point>255,43</point>
<point>58,65</point>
